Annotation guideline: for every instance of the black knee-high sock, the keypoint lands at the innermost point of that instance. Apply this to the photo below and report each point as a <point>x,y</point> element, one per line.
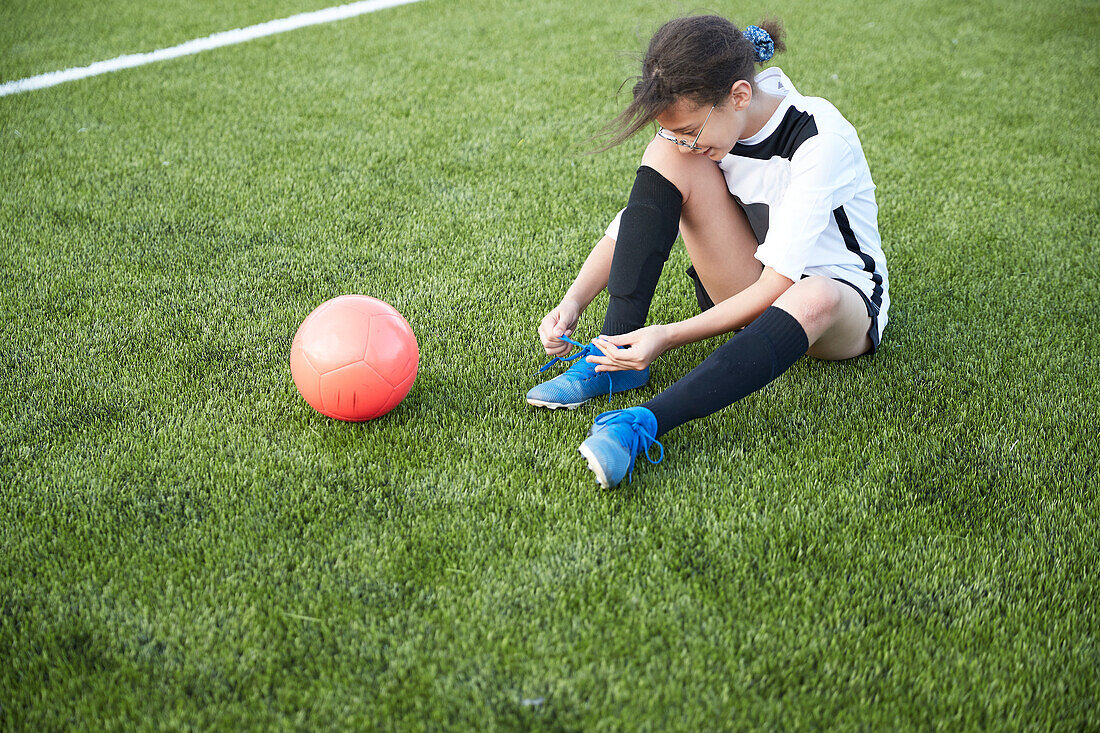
<point>766,348</point>
<point>647,231</point>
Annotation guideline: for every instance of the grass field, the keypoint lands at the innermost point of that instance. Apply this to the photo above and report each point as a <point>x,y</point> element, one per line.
<point>906,541</point>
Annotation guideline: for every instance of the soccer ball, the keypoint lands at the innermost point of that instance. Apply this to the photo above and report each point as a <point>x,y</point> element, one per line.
<point>354,358</point>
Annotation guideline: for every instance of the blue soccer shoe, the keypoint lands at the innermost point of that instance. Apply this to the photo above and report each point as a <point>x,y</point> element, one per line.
<point>616,439</point>
<point>580,382</point>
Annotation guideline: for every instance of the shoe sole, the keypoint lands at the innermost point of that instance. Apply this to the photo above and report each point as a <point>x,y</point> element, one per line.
<point>594,465</point>
<point>556,405</point>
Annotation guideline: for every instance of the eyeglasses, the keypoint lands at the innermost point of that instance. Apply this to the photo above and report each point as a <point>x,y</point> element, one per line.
<point>662,132</point>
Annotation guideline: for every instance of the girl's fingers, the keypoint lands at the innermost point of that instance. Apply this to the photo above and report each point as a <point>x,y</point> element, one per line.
<point>615,367</point>
<point>609,350</point>
<point>553,343</point>
<point>604,347</point>
<point>616,341</point>
<point>620,340</point>
<point>609,361</point>
<point>611,355</point>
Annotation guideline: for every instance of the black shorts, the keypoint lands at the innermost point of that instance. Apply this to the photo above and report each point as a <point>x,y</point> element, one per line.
<point>705,303</point>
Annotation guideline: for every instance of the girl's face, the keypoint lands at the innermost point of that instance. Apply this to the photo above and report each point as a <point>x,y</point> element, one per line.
<point>714,131</point>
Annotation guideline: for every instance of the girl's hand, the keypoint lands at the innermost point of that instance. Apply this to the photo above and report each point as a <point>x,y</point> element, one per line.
<point>646,344</point>
<point>559,322</point>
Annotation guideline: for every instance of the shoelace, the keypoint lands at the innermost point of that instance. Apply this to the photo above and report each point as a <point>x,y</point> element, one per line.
<point>585,350</point>
<point>640,435</point>
<point>556,359</point>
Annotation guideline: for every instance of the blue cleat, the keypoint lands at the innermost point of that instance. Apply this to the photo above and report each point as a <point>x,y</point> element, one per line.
<point>616,439</point>
<point>580,382</point>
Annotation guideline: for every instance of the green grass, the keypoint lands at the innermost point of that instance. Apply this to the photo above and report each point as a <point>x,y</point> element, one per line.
<point>907,541</point>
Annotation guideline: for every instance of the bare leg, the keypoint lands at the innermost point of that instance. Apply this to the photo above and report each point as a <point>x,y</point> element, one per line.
<point>716,232</point>
<point>832,314</point>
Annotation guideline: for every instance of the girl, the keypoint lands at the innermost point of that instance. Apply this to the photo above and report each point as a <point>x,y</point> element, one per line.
<point>773,197</point>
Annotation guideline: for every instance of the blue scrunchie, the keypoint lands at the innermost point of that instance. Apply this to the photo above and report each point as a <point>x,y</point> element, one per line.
<point>761,41</point>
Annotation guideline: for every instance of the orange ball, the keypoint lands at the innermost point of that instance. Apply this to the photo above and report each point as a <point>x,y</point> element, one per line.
<point>354,358</point>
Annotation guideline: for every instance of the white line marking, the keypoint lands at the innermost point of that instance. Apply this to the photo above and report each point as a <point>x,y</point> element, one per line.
<point>217,40</point>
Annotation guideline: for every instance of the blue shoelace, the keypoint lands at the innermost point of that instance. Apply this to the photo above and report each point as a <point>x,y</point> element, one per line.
<point>640,435</point>
<point>585,350</point>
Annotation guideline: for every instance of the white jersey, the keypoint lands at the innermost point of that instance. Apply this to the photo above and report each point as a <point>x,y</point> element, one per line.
<point>804,184</point>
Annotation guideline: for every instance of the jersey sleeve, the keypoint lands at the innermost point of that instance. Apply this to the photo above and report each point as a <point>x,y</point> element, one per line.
<point>823,175</point>
<point>612,230</point>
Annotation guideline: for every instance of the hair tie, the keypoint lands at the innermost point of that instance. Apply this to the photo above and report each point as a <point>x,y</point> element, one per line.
<point>761,41</point>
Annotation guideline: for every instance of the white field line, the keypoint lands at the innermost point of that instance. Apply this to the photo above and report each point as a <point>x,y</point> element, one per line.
<point>217,40</point>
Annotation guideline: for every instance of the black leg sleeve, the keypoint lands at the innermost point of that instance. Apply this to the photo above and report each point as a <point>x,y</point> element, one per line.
<point>766,348</point>
<point>647,232</point>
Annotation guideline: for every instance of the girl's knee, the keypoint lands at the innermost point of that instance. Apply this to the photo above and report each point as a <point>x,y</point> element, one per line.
<point>679,168</point>
<point>660,153</point>
<point>814,301</point>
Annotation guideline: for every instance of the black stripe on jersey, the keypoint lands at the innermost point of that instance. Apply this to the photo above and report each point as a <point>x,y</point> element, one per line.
<point>759,216</point>
<point>852,244</point>
<point>796,128</point>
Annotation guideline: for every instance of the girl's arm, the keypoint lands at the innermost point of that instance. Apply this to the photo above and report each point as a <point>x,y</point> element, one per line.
<point>589,282</point>
<point>732,313</point>
<point>646,344</point>
<point>592,278</point>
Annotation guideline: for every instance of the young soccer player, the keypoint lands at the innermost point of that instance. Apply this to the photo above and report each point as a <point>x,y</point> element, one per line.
<point>772,194</point>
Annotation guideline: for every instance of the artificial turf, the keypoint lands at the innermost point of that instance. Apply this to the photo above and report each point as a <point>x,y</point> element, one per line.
<point>903,541</point>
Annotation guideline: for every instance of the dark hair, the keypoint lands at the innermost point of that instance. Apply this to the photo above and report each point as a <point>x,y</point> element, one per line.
<point>698,58</point>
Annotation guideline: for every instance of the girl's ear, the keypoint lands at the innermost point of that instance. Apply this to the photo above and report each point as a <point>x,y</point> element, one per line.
<point>740,95</point>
